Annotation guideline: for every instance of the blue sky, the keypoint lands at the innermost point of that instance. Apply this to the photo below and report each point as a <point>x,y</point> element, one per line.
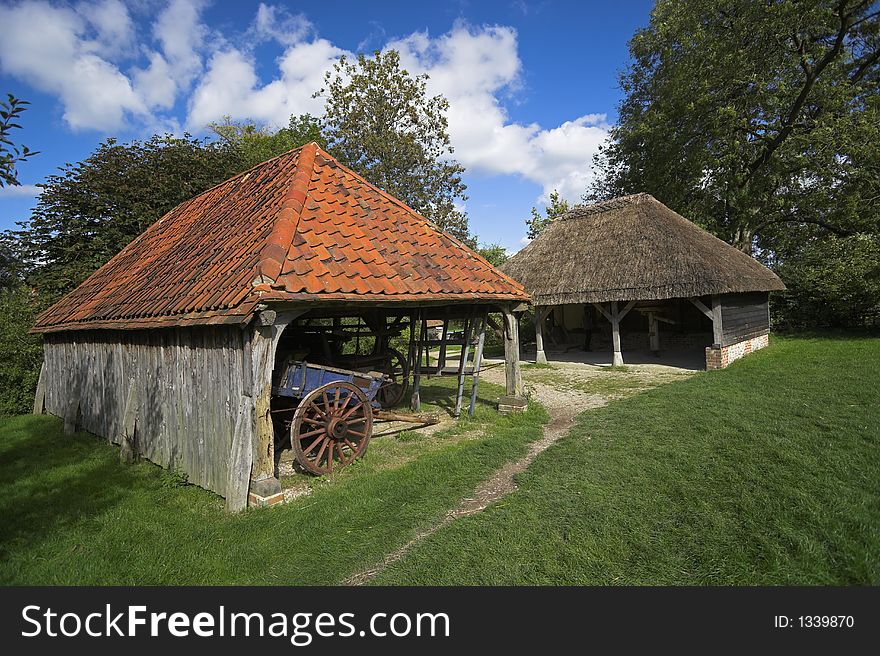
<point>532,85</point>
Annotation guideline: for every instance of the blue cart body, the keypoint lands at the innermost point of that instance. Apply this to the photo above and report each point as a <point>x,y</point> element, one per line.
<point>300,378</point>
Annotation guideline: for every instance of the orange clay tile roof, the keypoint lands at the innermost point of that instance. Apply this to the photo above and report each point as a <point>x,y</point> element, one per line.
<point>298,227</point>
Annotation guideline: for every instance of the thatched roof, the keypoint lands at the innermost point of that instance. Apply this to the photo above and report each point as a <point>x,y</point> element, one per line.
<point>632,248</point>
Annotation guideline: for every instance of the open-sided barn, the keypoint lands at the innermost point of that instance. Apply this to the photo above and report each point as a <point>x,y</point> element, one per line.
<point>170,347</point>
<point>641,265</point>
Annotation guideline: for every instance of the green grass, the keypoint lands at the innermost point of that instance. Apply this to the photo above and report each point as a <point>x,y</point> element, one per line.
<point>73,515</point>
<point>765,473</point>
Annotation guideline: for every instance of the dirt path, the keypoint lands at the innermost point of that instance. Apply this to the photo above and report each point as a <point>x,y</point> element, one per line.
<point>565,390</point>
<point>563,405</point>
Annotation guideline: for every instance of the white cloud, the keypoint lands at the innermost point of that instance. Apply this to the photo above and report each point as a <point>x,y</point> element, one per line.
<point>53,49</point>
<point>77,52</point>
<point>20,191</point>
<point>231,86</point>
<point>181,36</point>
<point>274,23</point>
<point>113,25</point>
<point>476,69</point>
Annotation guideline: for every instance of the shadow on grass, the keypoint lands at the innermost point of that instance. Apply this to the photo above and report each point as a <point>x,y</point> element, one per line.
<point>50,481</point>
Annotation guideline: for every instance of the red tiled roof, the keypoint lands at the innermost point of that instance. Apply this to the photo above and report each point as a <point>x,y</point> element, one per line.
<point>298,227</point>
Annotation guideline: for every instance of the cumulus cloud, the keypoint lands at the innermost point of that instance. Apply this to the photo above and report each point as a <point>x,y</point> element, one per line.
<point>79,52</point>
<point>231,86</point>
<point>276,23</point>
<point>476,69</point>
<point>53,48</point>
<point>20,191</point>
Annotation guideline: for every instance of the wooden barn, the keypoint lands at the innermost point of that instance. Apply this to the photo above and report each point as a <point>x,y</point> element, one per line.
<point>176,347</point>
<point>634,272</point>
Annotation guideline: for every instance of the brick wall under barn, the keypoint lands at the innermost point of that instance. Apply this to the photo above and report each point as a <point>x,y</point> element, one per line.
<point>718,357</point>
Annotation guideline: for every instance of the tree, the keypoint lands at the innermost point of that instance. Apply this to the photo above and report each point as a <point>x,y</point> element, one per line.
<point>10,153</point>
<point>90,210</point>
<point>380,122</point>
<point>257,144</point>
<point>537,223</point>
<point>759,119</point>
<point>494,254</point>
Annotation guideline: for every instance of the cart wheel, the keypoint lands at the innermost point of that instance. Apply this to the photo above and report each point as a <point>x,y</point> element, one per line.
<point>332,423</point>
<point>390,394</point>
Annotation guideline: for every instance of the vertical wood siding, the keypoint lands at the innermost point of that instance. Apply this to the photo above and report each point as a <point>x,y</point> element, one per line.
<point>189,388</point>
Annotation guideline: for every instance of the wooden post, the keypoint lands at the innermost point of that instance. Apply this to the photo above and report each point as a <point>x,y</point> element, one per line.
<point>265,338</point>
<point>654,332</point>
<point>617,357</point>
<point>541,313</point>
<point>717,327</point>
<point>441,359</point>
<point>416,402</point>
<point>462,363</point>
<point>478,358</point>
<point>238,476</point>
<point>513,376</point>
<point>40,396</point>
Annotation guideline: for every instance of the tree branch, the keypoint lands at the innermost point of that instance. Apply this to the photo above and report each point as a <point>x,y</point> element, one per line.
<point>801,99</point>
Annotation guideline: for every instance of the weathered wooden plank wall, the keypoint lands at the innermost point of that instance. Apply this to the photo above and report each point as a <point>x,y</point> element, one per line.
<point>744,316</point>
<point>189,386</point>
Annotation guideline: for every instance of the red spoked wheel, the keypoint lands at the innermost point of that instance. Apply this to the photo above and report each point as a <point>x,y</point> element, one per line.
<point>331,427</point>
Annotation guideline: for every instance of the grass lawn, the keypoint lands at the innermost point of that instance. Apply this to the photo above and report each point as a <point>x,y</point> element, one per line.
<point>765,473</point>
<point>71,514</point>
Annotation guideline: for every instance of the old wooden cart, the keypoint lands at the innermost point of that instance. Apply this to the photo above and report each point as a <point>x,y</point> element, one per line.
<point>329,412</point>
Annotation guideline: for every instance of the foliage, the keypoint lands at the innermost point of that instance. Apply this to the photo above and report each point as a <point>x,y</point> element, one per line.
<point>380,122</point>
<point>753,117</point>
<point>90,210</point>
<point>20,353</point>
<point>74,515</point>
<point>537,223</point>
<point>765,473</point>
<point>832,282</point>
<point>11,153</point>
<point>494,254</point>
<point>257,144</point>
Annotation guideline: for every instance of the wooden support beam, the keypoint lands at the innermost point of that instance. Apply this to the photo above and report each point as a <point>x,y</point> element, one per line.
<point>653,332</point>
<point>717,327</point>
<point>462,362</point>
<point>541,313</point>
<point>40,396</point>
<point>238,475</point>
<point>478,358</point>
<point>603,311</point>
<point>513,375</point>
<point>629,306</point>
<point>264,341</point>
<point>701,307</point>
<point>617,356</point>
<point>416,402</point>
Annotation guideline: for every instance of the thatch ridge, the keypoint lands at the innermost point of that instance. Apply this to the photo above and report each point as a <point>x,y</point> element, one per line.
<point>632,248</point>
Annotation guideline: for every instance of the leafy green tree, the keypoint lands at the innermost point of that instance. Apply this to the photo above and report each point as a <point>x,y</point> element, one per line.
<point>832,282</point>
<point>536,223</point>
<point>759,119</point>
<point>256,144</point>
<point>380,122</point>
<point>90,210</point>
<point>494,254</point>
<point>10,153</point>
<point>20,353</point>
